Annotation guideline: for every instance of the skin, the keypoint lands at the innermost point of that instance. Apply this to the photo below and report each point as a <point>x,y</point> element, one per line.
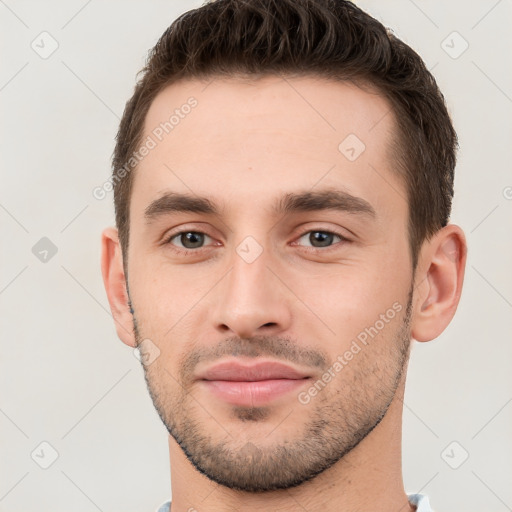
<point>243,146</point>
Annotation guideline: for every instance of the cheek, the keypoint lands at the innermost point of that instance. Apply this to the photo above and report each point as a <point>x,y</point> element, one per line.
<point>166,297</point>
<point>350,300</point>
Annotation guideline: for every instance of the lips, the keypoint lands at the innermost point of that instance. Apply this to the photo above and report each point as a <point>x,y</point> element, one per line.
<point>251,385</point>
<point>250,373</point>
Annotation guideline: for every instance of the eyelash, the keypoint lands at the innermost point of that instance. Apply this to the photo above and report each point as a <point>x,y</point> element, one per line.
<point>186,252</point>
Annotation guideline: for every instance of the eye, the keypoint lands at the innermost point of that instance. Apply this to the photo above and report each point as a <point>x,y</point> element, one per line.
<point>188,239</point>
<point>193,241</point>
<point>322,238</point>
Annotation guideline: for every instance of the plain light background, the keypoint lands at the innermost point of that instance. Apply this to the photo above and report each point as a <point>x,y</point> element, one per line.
<point>68,381</point>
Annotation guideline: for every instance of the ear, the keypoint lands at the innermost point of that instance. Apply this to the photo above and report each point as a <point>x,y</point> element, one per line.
<point>115,285</point>
<point>439,279</point>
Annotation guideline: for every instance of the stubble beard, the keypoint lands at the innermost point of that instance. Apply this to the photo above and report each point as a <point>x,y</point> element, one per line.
<point>334,428</point>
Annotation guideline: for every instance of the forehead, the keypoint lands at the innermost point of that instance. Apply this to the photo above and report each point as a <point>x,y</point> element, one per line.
<point>312,108</point>
<point>237,139</point>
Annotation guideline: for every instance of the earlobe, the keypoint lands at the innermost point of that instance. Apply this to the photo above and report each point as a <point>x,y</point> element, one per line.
<point>441,277</point>
<point>115,285</point>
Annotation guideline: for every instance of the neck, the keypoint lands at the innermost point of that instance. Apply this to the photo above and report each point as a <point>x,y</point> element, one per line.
<point>369,477</point>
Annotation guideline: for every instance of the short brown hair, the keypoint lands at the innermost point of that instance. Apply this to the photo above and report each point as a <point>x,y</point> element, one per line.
<point>333,39</point>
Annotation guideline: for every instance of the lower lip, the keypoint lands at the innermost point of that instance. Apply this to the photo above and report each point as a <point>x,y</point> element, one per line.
<point>252,393</point>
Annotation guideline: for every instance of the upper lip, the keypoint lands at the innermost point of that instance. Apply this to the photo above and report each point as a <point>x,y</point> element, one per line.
<point>235,371</point>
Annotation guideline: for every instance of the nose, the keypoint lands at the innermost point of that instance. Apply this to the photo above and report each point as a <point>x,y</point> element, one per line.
<point>251,299</point>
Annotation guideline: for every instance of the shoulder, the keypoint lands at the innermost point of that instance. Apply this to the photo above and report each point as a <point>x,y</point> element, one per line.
<point>164,507</point>
<point>421,501</point>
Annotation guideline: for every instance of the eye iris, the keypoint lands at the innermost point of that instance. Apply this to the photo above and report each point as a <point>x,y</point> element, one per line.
<point>196,239</point>
<point>322,237</point>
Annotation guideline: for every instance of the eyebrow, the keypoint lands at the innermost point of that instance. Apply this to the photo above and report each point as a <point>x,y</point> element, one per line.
<point>308,201</point>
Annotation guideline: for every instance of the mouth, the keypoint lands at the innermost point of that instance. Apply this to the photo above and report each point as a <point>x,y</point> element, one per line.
<point>251,385</point>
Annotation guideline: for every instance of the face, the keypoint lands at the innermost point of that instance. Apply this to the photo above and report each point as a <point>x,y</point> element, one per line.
<point>269,273</point>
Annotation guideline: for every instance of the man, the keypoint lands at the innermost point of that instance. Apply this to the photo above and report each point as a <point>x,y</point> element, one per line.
<point>283,178</point>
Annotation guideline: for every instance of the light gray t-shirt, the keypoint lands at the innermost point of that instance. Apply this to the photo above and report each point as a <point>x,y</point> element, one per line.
<point>420,500</point>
